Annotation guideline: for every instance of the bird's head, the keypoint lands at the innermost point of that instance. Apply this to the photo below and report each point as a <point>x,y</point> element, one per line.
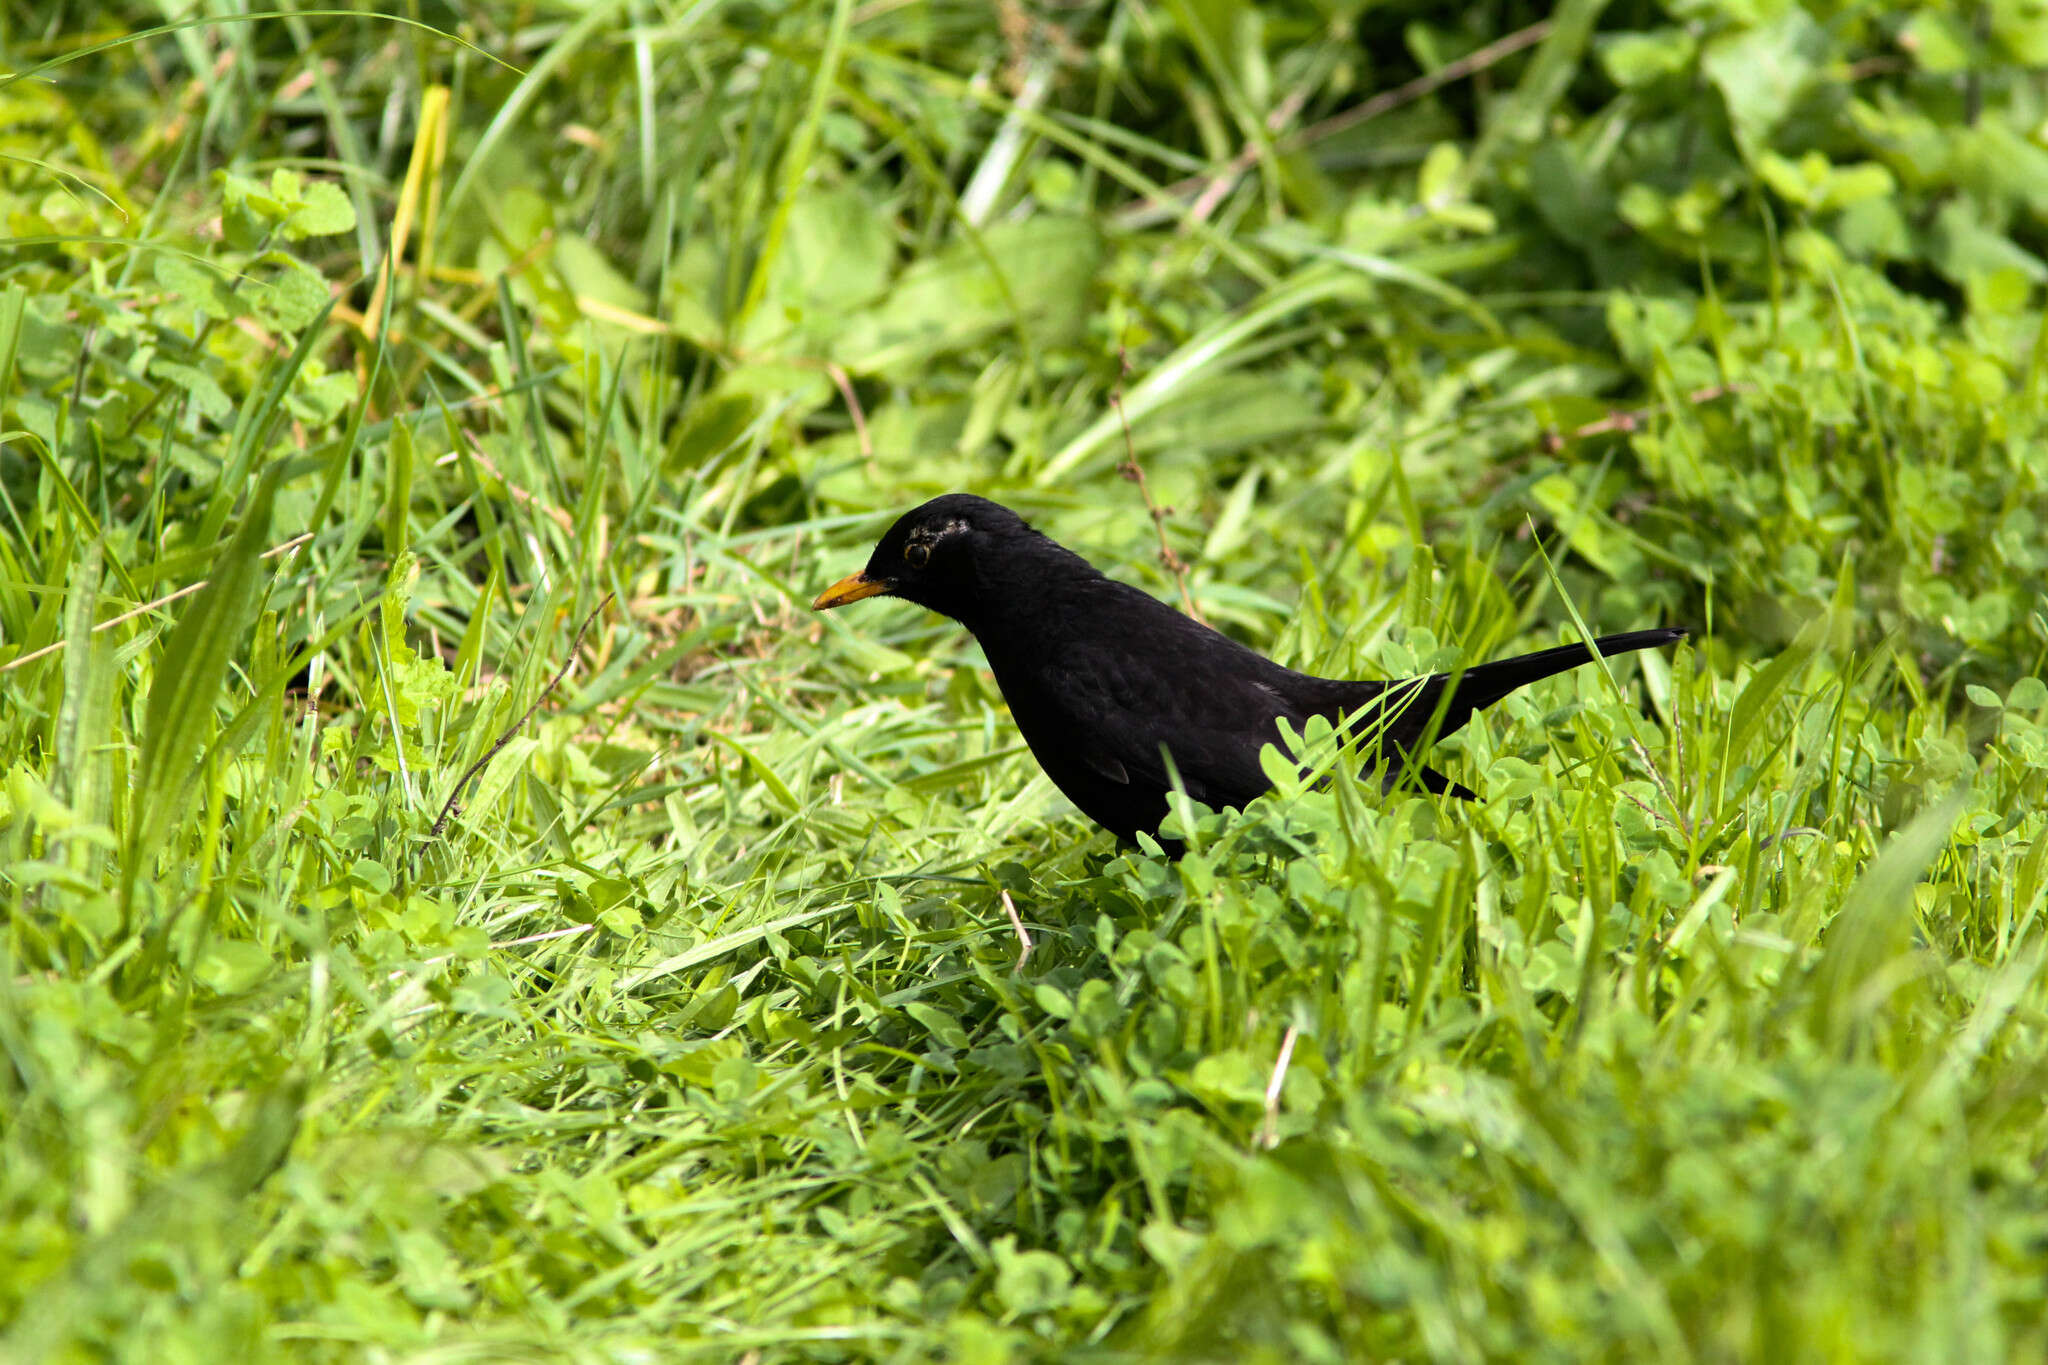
<point>951,555</point>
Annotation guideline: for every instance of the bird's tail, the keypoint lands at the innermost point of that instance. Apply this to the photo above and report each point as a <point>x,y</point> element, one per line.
<point>1484,684</point>
<point>1417,710</point>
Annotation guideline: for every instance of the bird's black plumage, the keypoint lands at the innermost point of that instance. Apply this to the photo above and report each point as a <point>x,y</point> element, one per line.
<point>1105,679</point>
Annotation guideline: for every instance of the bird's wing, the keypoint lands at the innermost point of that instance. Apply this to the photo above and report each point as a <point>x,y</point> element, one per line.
<point>1117,709</point>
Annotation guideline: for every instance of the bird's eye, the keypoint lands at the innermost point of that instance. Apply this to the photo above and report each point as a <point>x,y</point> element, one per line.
<point>917,555</point>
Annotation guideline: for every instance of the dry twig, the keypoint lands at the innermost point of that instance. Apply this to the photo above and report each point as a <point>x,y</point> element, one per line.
<point>1017,923</point>
<point>1270,1137</point>
<point>273,552</point>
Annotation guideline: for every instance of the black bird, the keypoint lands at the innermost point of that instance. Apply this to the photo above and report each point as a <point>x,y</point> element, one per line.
<point>1102,677</point>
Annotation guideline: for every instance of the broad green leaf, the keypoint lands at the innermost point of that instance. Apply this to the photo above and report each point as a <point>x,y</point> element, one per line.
<point>293,295</point>
<point>1633,60</point>
<point>714,948</point>
<point>323,210</point>
<point>1762,72</point>
<point>1760,694</point>
<point>199,388</point>
<point>178,718</point>
<point>1046,266</point>
<point>1875,925</point>
<point>198,283</point>
<point>760,768</point>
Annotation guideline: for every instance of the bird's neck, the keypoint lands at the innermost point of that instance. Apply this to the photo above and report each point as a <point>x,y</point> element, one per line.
<point>1023,603</point>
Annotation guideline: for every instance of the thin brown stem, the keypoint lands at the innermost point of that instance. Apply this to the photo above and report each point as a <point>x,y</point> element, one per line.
<point>1135,472</point>
<point>449,811</point>
<point>1211,186</point>
<point>1626,420</point>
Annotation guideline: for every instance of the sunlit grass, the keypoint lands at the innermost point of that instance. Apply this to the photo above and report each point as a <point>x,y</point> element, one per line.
<point>693,1024</point>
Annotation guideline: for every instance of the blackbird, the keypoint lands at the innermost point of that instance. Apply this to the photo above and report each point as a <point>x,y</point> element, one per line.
<point>1105,680</point>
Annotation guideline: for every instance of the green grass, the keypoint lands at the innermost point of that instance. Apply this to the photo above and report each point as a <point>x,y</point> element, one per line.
<point>350,366</point>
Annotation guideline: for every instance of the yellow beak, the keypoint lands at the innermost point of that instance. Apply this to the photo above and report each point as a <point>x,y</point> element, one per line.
<point>849,589</point>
